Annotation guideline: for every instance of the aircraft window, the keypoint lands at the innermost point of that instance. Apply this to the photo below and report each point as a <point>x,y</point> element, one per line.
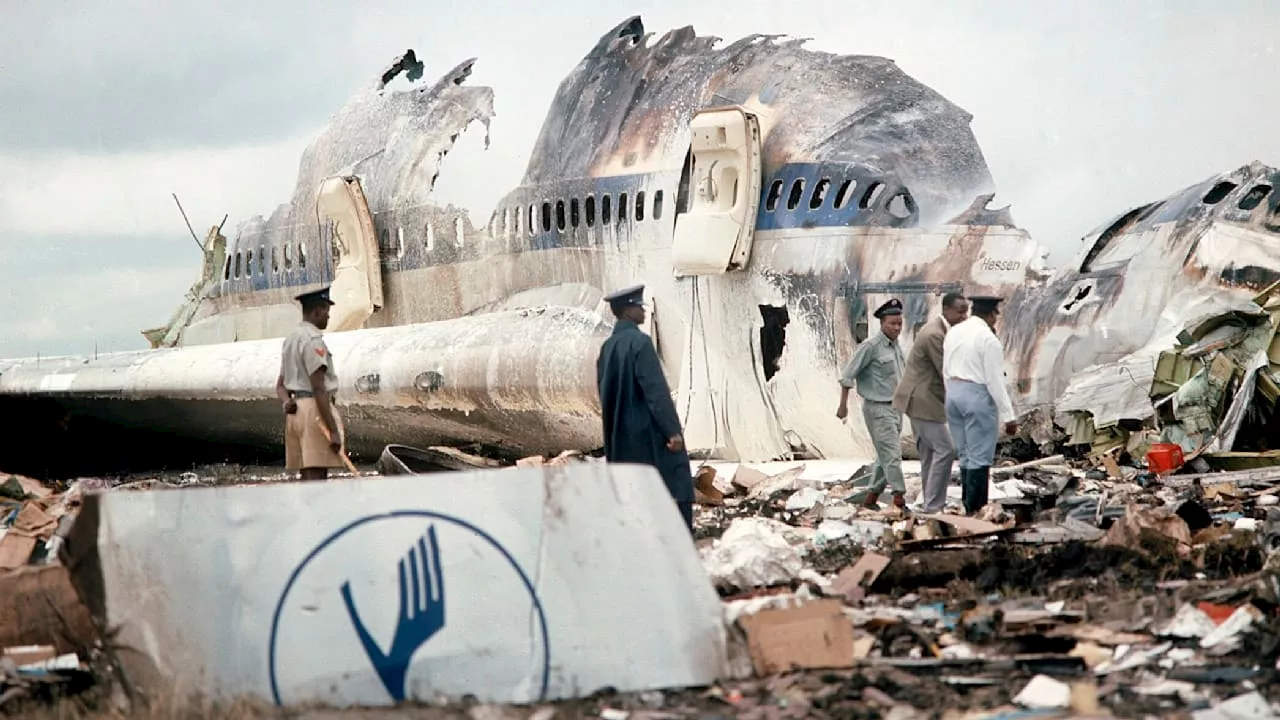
<point>844,193</point>
<point>1254,197</point>
<point>429,240</point>
<point>819,193</point>
<point>901,205</point>
<point>532,224</point>
<point>797,191</point>
<point>510,220</point>
<point>518,216</point>
<point>560,215</point>
<point>606,209</point>
<point>546,217</point>
<point>1218,192</point>
<point>237,264</point>
<point>775,192</point>
<point>1105,251</point>
<point>275,259</point>
<point>262,259</point>
<point>589,205</point>
<point>226,268</point>
<point>288,258</point>
<point>248,263</point>
<point>302,256</point>
<point>871,195</point>
<point>657,205</point>
<point>574,216</point>
<point>640,206</point>
<point>622,208</point>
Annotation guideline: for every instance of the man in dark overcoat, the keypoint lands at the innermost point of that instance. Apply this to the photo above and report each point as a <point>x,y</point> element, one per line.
<point>640,421</point>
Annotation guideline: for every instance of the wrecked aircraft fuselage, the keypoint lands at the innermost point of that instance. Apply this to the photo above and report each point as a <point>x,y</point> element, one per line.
<point>765,224</point>
<point>1088,340</point>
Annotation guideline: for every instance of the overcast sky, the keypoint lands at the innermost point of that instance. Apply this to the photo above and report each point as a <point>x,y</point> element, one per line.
<point>1083,109</point>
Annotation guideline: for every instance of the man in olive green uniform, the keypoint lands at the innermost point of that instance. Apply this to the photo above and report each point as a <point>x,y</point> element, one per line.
<point>875,368</point>
<point>313,432</point>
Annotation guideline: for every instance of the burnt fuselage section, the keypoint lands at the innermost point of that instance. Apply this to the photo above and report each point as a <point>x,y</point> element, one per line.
<point>1140,278</point>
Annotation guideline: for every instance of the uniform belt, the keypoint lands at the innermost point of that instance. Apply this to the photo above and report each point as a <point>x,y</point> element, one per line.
<point>877,402</point>
<point>308,394</point>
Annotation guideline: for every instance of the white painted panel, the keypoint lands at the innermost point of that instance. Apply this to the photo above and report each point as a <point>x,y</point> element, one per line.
<point>548,583</point>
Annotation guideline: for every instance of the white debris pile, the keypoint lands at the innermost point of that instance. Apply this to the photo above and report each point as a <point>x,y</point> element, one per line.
<point>753,552</point>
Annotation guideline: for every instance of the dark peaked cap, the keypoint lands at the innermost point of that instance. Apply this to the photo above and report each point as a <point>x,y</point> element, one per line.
<point>633,295</point>
<point>315,297</point>
<point>983,304</point>
<point>892,307</point>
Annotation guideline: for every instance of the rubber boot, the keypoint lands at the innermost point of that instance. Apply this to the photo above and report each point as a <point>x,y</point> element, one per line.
<point>872,500</point>
<point>977,482</point>
<point>899,501</point>
<point>964,488</point>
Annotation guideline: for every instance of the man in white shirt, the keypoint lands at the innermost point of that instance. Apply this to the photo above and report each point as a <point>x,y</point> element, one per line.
<point>977,401</point>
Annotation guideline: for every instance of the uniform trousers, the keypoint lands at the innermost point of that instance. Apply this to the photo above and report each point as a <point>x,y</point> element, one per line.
<point>884,425</point>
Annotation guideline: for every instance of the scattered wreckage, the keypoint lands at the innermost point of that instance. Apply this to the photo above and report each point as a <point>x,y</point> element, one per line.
<point>764,225</point>
<point>1079,589</point>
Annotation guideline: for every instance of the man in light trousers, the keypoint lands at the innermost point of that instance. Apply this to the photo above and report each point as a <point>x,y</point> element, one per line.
<point>876,368</point>
<point>977,401</point>
<point>921,396</point>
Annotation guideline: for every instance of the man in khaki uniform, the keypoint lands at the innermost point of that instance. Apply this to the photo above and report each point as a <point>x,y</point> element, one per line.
<point>875,369</point>
<point>313,432</point>
<point>922,397</point>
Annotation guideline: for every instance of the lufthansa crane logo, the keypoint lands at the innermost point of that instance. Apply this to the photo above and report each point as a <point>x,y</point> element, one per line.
<point>407,604</point>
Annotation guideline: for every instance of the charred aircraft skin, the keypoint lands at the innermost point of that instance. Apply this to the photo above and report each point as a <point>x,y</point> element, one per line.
<point>878,190</point>
<point>1137,280</point>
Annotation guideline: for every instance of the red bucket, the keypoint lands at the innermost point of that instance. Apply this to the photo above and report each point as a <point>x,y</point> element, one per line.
<point>1164,457</point>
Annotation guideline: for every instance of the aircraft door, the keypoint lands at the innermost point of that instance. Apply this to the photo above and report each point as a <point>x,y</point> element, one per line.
<point>715,234</point>
<point>357,277</point>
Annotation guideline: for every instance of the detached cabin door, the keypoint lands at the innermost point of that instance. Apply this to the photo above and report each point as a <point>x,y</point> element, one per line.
<point>715,234</point>
<point>357,278</point>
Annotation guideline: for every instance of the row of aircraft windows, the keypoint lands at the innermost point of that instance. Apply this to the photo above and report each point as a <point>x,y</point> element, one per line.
<point>241,264</point>
<point>900,205</point>
<point>1251,199</point>
<point>526,221</point>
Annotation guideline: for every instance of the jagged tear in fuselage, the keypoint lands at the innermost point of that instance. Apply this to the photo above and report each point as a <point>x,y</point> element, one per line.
<point>844,199</point>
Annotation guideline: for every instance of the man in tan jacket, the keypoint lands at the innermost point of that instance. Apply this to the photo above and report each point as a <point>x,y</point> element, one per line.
<point>921,396</point>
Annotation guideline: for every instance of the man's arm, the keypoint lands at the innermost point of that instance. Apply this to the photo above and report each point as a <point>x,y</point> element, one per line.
<point>993,372</point>
<point>323,405</point>
<point>315,360</point>
<point>933,350</point>
<point>857,363</point>
<point>283,394</point>
<point>657,394</point>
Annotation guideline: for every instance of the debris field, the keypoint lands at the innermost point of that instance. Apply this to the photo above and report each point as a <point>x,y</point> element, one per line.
<point>1080,590</point>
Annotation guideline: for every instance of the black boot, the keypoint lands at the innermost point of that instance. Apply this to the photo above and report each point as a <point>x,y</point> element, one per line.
<point>964,488</point>
<point>978,484</point>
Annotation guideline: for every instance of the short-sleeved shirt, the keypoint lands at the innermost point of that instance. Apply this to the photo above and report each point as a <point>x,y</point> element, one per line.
<point>304,352</point>
<point>876,368</point>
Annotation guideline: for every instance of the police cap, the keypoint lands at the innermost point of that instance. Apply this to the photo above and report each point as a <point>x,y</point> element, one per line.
<point>892,307</point>
<point>315,297</point>
<point>633,295</point>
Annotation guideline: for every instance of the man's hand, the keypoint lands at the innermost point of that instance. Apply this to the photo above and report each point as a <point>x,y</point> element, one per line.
<point>675,444</point>
<point>290,406</point>
<point>842,412</point>
<point>335,442</point>
<point>1011,427</point>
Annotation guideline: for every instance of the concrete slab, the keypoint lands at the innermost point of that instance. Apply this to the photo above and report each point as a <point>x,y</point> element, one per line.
<point>512,585</point>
